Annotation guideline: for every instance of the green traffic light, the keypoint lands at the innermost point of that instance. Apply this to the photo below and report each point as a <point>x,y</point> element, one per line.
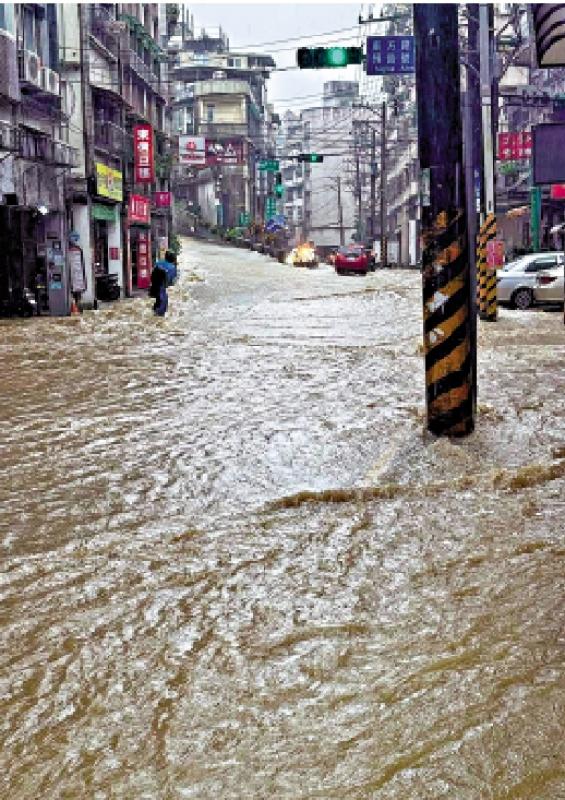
<point>336,57</point>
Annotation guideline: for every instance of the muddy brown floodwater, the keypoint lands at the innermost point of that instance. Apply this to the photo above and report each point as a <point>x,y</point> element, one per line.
<point>233,565</point>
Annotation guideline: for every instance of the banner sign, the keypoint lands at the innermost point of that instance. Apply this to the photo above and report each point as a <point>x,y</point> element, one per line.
<point>557,191</point>
<point>76,269</point>
<point>192,151</point>
<point>143,259</point>
<point>390,55</point>
<point>162,199</point>
<point>144,163</point>
<point>514,146</point>
<point>139,209</point>
<point>109,182</point>
<point>227,152</point>
<point>495,253</point>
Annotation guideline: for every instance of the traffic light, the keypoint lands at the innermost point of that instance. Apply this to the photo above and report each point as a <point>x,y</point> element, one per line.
<point>325,57</point>
<point>311,158</point>
<point>279,188</point>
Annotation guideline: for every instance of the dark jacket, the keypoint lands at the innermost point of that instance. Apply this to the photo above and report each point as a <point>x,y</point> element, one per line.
<point>158,279</point>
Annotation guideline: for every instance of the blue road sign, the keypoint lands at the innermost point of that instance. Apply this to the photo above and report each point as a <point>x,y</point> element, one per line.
<point>390,55</point>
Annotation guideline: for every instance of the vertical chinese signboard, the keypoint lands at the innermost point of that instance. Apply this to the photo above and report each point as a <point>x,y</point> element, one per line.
<point>143,156</point>
<point>143,259</point>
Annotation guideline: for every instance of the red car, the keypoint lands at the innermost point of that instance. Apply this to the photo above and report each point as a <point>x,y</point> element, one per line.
<point>351,259</point>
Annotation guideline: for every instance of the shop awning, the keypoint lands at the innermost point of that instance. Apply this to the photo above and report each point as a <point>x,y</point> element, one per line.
<point>100,211</point>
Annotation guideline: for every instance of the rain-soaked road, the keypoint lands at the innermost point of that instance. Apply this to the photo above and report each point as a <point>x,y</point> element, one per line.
<point>234,567</point>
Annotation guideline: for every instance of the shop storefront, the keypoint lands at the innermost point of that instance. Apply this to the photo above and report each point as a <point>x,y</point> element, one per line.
<point>106,232</point>
<point>139,241</point>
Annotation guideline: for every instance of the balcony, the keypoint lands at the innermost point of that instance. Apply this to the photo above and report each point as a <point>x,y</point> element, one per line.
<point>109,137</point>
<point>38,146</point>
<point>218,87</point>
<point>104,28</point>
<point>222,130</point>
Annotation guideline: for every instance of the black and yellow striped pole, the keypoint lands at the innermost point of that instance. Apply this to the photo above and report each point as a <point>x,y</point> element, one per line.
<point>449,339</point>
<point>486,276</point>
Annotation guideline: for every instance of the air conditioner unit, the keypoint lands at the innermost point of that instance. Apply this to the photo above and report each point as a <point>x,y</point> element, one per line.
<point>30,68</point>
<point>68,98</point>
<point>59,153</point>
<point>50,81</point>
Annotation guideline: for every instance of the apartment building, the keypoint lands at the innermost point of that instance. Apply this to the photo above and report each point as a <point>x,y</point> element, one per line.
<point>221,118</point>
<point>35,158</point>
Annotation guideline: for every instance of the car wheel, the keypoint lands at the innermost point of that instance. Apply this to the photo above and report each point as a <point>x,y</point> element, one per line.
<point>522,299</point>
<point>339,271</point>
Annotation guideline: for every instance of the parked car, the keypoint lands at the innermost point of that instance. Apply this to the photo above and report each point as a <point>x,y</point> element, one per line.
<point>352,258</point>
<point>550,285</point>
<point>516,281</point>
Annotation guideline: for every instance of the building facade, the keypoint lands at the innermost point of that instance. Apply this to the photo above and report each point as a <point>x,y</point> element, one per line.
<point>77,82</point>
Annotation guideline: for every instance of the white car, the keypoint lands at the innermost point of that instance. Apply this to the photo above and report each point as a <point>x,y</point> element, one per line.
<point>550,285</point>
<point>515,282</point>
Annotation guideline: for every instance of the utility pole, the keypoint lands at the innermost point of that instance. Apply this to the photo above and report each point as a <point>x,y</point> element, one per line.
<point>360,225</point>
<point>473,170</point>
<point>340,212</point>
<point>487,277</point>
<point>448,341</point>
<point>384,243</point>
<point>373,183</point>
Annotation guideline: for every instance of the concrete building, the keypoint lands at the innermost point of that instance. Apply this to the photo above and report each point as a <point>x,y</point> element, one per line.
<point>220,111</point>
<point>35,158</point>
<point>76,80</point>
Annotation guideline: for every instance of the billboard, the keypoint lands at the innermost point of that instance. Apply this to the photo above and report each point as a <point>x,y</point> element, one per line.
<point>192,151</point>
<point>514,146</point>
<point>227,152</point>
<point>109,182</point>
<point>549,153</point>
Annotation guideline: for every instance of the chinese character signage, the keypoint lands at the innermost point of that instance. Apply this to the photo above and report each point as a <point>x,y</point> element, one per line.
<point>109,182</point>
<point>162,199</point>
<point>227,152</point>
<point>139,209</point>
<point>390,55</point>
<point>514,146</point>
<point>495,253</point>
<point>143,259</point>
<point>144,165</point>
<point>192,151</point>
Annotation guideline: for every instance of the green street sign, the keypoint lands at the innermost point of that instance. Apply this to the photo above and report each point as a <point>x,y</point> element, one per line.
<point>243,218</point>
<point>269,166</point>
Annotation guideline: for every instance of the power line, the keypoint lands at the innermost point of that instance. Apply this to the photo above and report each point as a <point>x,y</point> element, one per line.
<point>295,38</point>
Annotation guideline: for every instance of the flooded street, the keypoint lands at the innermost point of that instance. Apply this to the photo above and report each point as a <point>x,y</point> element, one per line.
<point>234,566</point>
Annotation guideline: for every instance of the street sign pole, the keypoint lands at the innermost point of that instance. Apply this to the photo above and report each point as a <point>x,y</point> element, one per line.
<point>448,341</point>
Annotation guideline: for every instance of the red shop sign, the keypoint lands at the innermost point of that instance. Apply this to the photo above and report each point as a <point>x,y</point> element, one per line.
<point>162,199</point>
<point>139,209</point>
<point>557,191</point>
<point>144,166</point>
<point>143,260</point>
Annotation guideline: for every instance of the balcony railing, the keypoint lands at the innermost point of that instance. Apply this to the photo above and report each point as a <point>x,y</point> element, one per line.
<point>104,27</point>
<point>36,146</point>
<point>219,130</point>
<point>109,136</point>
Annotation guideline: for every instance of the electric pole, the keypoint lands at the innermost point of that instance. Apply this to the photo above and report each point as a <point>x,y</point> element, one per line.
<point>340,212</point>
<point>384,244</point>
<point>449,343</point>
<point>487,277</point>
<point>373,182</point>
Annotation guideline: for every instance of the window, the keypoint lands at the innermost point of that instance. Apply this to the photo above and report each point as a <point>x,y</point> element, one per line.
<point>210,113</point>
<point>7,17</point>
<point>542,263</point>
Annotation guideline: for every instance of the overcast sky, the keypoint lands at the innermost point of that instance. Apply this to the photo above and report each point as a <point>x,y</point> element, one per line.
<point>248,25</point>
